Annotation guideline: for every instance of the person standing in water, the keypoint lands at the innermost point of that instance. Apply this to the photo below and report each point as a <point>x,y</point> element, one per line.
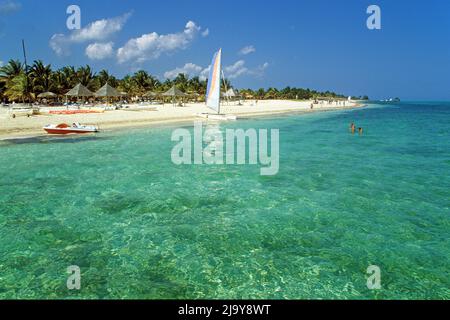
<point>352,128</point>
<point>360,131</point>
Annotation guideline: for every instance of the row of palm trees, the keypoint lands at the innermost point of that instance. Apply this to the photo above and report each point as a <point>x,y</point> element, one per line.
<point>24,83</point>
<point>21,83</point>
<point>289,93</point>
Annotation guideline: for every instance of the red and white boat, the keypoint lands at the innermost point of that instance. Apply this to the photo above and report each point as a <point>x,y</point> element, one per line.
<point>64,128</point>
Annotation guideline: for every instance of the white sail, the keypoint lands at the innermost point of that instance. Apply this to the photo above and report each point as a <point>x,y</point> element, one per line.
<point>213,90</point>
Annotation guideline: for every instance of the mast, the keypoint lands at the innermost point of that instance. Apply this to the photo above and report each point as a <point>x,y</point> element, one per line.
<point>225,85</point>
<point>221,73</point>
<point>26,67</point>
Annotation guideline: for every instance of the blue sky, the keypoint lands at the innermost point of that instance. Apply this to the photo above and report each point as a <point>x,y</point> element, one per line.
<point>318,44</point>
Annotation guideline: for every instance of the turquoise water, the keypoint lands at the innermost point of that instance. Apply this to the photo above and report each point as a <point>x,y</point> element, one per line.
<point>140,227</point>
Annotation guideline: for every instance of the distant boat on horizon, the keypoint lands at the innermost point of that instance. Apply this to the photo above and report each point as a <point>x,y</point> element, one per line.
<point>391,100</point>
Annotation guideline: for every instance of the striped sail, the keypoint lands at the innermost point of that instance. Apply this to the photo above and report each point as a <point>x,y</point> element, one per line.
<point>213,90</point>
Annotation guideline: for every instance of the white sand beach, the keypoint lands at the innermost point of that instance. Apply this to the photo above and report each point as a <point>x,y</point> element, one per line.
<point>143,115</point>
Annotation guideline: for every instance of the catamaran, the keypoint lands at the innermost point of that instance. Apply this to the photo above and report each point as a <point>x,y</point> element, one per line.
<point>213,91</point>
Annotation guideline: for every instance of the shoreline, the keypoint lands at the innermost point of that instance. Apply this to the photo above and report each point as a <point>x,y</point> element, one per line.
<point>123,119</point>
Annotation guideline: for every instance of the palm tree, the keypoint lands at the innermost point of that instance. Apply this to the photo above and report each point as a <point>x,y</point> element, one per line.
<point>16,88</point>
<point>60,84</point>
<point>104,77</point>
<point>181,81</point>
<point>40,77</point>
<point>225,85</point>
<point>166,85</point>
<point>2,89</point>
<point>84,75</point>
<point>143,82</point>
<point>271,93</point>
<point>10,70</point>
<point>69,76</point>
<point>195,85</point>
<point>126,85</point>
<point>247,93</point>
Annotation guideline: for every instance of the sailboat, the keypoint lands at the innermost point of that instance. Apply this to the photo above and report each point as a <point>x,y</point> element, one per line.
<point>213,91</point>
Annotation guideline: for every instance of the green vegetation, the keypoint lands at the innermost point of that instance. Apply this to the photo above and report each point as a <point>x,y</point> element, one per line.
<point>288,93</point>
<point>21,84</point>
<point>361,98</point>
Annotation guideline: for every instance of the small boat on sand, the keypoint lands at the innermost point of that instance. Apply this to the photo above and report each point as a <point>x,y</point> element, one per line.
<point>64,128</point>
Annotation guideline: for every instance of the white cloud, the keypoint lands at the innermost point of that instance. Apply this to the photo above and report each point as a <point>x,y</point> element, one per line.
<point>205,73</point>
<point>189,69</point>
<point>247,50</point>
<point>233,71</point>
<point>9,6</point>
<point>236,70</point>
<point>99,51</point>
<point>239,69</point>
<point>205,33</point>
<point>259,71</point>
<point>97,30</point>
<point>152,45</point>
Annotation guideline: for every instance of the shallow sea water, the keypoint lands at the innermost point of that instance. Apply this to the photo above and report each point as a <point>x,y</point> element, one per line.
<point>139,226</point>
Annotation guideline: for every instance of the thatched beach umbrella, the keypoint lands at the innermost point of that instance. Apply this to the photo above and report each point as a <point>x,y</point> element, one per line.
<point>80,91</point>
<point>150,94</point>
<point>174,92</point>
<point>47,95</point>
<point>107,91</point>
<point>229,94</point>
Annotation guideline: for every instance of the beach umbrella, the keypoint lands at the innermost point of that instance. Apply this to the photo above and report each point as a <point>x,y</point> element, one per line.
<point>46,95</point>
<point>229,94</point>
<point>174,92</point>
<point>80,91</point>
<point>107,91</point>
<point>150,94</point>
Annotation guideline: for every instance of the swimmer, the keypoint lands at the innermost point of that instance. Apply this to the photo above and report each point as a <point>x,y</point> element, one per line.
<point>360,130</point>
<point>352,128</point>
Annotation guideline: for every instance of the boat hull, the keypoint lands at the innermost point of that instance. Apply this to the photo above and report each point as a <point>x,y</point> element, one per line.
<point>218,117</point>
<point>64,128</point>
<point>67,131</point>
